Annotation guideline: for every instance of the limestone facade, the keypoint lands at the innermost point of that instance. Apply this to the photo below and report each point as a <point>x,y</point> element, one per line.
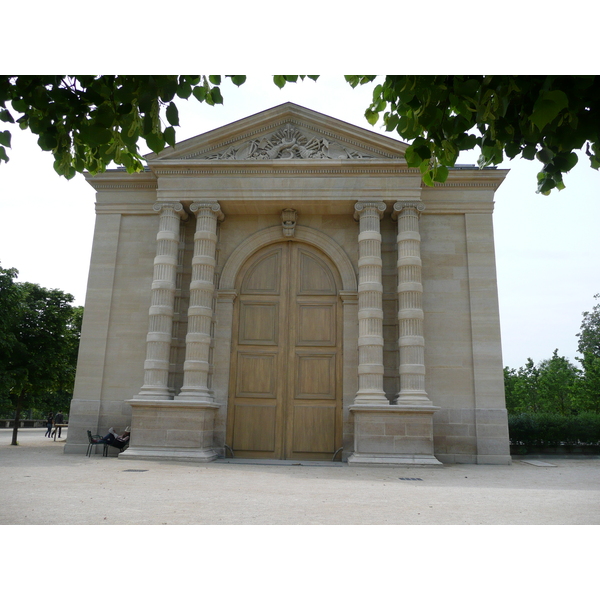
<point>286,287</point>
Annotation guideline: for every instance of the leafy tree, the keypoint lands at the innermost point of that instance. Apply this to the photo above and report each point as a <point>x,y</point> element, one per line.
<point>589,348</point>
<point>545,117</point>
<point>514,400</point>
<point>38,363</point>
<point>522,388</point>
<point>557,385</point>
<point>589,335</point>
<point>87,122</point>
<point>551,386</point>
<point>11,295</point>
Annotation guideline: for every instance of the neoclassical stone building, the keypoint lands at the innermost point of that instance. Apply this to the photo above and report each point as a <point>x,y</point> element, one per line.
<point>284,287</point>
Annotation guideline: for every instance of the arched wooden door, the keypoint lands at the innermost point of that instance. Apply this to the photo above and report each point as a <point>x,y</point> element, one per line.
<point>285,390</point>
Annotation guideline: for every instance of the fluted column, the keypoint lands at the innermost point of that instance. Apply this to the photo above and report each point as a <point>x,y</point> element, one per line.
<point>158,340</point>
<point>200,312</point>
<point>410,305</point>
<point>370,304</point>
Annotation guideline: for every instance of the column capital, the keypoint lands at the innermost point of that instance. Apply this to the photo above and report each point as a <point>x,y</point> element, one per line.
<point>361,206</point>
<point>176,207</point>
<point>213,206</point>
<point>403,204</point>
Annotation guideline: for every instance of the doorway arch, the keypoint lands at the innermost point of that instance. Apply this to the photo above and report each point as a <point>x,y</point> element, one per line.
<point>285,399</point>
<point>274,234</point>
<point>227,299</point>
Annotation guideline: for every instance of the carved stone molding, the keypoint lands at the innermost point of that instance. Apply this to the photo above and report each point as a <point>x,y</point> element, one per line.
<point>403,204</point>
<point>288,221</point>
<point>175,208</point>
<point>213,206</point>
<point>359,207</point>
<point>288,142</point>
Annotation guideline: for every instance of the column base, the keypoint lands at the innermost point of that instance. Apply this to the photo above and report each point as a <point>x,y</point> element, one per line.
<point>412,399</point>
<point>393,435</point>
<point>396,460</point>
<point>185,454</point>
<point>371,398</point>
<point>179,429</point>
<point>196,396</point>
<point>153,396</point>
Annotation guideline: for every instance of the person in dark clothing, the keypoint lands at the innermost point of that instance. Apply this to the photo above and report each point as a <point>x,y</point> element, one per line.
<point>118,441</point>
<point>58,421</point>
<point>49,423</point>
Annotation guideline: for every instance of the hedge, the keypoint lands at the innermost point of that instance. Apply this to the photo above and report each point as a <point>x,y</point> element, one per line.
<point>539,429</point>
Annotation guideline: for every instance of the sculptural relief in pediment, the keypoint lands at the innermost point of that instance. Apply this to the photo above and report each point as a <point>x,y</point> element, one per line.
<point>287,143</point>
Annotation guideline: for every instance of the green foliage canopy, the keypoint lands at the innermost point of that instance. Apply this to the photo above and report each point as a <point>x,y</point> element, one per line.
<point>89,121</point>
<point>589,348</point>
<point>543,117</point>
<point>40,331</point>
<point>555,385</point>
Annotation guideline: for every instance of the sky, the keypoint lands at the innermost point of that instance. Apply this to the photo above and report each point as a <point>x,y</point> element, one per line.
<point>546,246</point>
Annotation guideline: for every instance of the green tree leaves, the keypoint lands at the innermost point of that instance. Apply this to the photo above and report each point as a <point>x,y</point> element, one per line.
<point>172,114</point>
<point>589,334</point>
<point>88,122</point>
<point>547,107</point>
<point>543,117</point>
<point>4,143</point>
<point>551,386</point>
<point>555,385</point>
<point>281,80</point>
<point>39,340</point>
<point>589,348</point>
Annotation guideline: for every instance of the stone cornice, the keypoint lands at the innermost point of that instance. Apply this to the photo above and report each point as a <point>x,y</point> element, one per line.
<point>473,178</point>
<point>121,180</point>
<point>281,167</point>
<point>148,180</point>
<point>124,209</point>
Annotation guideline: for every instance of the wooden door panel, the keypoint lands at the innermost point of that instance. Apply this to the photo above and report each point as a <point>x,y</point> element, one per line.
<point>314,429</point>
<point>259,323</point>
<point>316,323</point>
<point>314,277</point>
<point>315,376</point>
<point>285,395</point>
<point>254,428</point>
<point>257,375</point>
<point>264,277</point>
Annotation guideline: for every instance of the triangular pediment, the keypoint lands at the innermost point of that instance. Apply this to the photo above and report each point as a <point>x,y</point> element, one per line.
<point>285,132</point>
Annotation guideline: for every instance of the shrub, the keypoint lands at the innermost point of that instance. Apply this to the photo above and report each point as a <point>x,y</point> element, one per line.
<point>543,429</point>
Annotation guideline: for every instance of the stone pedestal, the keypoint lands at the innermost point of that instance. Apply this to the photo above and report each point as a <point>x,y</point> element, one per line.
<point>393,436</point>
<point>171,430</point>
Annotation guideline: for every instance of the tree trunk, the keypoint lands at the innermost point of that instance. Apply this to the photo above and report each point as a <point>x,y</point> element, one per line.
<point>17,418</point>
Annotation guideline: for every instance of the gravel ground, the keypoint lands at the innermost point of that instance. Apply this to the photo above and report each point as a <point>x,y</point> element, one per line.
<point>40,485</point>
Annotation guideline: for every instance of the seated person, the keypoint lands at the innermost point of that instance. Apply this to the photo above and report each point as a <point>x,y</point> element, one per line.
<point>118,441</point>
